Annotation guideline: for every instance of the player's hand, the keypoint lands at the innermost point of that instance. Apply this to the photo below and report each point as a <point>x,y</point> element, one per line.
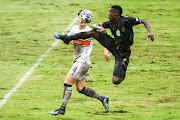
<point>56,35</point>
<point>151,35</point>
<point>103,31</point>
<point>107,57</point>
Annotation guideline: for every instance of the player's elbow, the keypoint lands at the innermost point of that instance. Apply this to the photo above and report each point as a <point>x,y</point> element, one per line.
<point>144,21</point>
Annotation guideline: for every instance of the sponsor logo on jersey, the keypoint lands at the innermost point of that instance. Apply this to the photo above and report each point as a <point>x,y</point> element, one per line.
<point>82,42</point>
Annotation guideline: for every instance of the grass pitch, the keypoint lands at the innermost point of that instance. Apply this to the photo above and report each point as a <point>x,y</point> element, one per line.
<point>150,91</point>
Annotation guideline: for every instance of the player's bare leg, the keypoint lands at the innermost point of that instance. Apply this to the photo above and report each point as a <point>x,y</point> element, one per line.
<point>80,84</point>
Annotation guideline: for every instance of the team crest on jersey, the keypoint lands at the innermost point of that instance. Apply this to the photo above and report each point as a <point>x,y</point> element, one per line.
<point>118,33</point>
<point>123,29</point>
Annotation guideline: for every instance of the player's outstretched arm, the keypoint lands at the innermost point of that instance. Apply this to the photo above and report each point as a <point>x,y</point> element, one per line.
<point>146,24</point>
<point>107,56</point>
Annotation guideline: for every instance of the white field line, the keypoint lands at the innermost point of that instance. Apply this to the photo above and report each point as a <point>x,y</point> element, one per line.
<point>7,96</point>
<point>29,11</point>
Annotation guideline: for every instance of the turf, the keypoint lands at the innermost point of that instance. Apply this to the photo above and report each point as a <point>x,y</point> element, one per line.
<point>150,91</point>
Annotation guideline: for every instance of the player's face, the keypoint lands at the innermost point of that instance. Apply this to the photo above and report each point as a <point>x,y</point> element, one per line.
<point>81,23</point>
<point>112,14</point>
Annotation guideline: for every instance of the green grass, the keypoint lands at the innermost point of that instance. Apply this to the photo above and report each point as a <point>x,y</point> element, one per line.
<point>150,91</point>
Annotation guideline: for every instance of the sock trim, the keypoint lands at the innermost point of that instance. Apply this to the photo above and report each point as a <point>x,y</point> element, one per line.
<point>67,85</point>
<point>82,90</point>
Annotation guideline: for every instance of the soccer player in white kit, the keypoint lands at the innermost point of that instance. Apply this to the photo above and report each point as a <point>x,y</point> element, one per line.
<point>79,72</point>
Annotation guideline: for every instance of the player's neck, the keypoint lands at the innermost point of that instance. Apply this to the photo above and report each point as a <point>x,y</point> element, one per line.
<point>81,27</point>
<point>117,19</point>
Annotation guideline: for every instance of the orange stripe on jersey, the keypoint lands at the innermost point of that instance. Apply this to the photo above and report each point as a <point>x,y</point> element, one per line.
<point>139,20</point>
<point>82,42</point>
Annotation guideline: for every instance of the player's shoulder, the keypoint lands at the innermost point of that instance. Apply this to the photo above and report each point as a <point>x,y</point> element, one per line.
<point>131,20</point>
<point>127,18</point>
<point>75,27</point>
<point>88,28</point>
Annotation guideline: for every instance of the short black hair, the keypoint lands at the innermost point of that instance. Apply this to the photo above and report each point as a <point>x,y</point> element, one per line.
<point>79,12</point>
<point>117,7</point>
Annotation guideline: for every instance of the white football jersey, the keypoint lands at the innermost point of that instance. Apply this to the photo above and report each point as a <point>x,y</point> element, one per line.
<point>82,48</point>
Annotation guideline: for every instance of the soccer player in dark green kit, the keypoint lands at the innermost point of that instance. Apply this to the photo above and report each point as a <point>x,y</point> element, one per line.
<point>120,46</point>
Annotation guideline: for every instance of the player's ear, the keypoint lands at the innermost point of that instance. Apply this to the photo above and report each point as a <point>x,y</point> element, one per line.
<point>116,13</point>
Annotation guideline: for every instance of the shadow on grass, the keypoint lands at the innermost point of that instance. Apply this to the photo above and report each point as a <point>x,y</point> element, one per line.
<point>119,111</point>
<point>111,112</point>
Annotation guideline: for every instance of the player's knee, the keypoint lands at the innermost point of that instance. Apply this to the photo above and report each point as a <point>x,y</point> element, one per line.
<point>117,80</point>
<point>92,33</point>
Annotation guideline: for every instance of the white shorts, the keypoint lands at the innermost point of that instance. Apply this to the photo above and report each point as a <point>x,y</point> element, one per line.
<point>79,71</point>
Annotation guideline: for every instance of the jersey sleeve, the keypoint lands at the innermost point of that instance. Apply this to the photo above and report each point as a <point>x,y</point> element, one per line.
<point>105,24</point>
<point>71,31</point>
<point>134,21</point>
